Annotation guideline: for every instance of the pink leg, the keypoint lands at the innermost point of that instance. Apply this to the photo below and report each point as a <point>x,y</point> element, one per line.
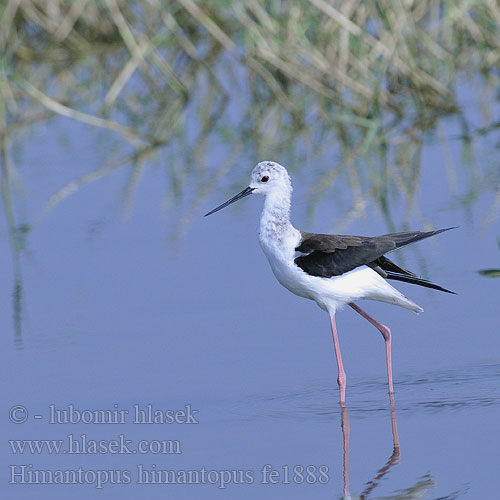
<point>341,379</point>
<point>386,333</point>
<point>345,434</point>
<point>395,438</point>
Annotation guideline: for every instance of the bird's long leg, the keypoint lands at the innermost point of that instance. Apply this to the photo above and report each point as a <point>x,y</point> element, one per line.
<point>341,379</point>
<point>346,429</point>
<point>386,333</point>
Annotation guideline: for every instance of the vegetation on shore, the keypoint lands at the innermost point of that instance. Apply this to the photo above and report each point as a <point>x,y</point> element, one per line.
<point>358,84</point>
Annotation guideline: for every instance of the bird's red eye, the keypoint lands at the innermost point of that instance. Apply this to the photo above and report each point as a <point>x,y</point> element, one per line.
<point>265,178</point>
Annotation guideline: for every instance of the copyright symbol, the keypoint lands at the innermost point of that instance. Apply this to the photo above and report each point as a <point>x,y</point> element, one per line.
<point>18,414</point>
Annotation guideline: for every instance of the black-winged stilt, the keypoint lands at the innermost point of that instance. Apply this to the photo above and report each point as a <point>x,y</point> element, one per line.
<point>333,270</point>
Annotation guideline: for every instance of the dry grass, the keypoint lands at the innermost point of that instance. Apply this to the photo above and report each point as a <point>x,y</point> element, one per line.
<point>372,76</point>
<point>358,84</point>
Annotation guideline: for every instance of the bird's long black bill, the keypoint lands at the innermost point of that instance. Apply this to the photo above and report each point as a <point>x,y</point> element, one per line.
<point>243,193</point>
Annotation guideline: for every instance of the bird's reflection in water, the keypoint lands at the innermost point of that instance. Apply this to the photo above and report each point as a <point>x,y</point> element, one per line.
<point>417,490</point>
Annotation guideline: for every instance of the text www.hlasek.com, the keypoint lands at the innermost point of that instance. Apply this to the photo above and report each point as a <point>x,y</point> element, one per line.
<point>82,445</point>
<point>297,474</point>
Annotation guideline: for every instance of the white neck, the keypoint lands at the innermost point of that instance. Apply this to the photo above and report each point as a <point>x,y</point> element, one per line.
<point>275,219</point>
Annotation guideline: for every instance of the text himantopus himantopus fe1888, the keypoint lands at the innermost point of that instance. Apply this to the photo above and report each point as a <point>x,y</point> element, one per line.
<point>333,270</point>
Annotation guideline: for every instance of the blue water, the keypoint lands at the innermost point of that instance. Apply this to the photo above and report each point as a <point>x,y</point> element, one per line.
<point>117,313</point>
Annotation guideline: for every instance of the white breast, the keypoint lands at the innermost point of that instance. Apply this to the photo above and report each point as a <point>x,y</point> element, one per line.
<point>280,254</point>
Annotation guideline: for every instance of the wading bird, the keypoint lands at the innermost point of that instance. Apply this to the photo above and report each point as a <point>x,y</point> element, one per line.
<point>333,270</point>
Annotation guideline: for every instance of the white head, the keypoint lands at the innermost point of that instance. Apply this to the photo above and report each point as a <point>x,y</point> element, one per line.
<point>268,178</point>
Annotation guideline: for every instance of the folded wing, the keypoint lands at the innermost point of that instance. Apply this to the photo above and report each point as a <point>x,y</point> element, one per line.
<point>328,255</point>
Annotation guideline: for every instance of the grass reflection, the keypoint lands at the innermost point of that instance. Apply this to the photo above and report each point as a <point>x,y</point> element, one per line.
<point>491,272</point>
<point>355,87</point>
<point>373,77</point>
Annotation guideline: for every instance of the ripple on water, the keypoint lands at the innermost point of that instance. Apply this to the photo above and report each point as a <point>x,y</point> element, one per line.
<point>435,391</point>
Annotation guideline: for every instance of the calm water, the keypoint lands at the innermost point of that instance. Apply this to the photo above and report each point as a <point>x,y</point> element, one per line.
<point>117,314</point>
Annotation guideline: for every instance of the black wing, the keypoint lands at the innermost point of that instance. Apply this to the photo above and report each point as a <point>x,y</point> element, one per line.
<point>334,255</point>
<point>387,269</point>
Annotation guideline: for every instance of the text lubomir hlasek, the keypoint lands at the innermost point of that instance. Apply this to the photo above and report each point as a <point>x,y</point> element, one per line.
<point>140,414</point>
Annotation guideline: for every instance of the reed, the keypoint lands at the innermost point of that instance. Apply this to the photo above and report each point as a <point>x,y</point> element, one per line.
<point>375,77</point>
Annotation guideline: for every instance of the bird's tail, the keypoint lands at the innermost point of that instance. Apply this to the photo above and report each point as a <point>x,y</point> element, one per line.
<point>398,299</point>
